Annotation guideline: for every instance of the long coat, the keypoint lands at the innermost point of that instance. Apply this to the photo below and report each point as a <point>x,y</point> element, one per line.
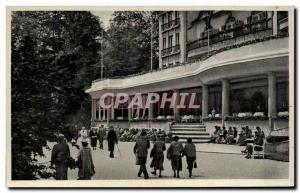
<point>59,156</point>
<point>101,134</point>
<point>86,164</point>
<point>111,140</point>
<point>174,153</point>
<point>141,149</point>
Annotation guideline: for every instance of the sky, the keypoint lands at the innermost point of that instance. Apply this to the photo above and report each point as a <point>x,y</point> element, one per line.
<point>104,16</point>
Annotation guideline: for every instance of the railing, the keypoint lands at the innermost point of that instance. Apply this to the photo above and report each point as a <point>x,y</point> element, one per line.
<point>283,25</point>
<point>170,24</point>
<point>171,50</point>
<point>234,35</point>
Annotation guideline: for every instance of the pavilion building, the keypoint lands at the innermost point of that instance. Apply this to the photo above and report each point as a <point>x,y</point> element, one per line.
<point>237,63</point>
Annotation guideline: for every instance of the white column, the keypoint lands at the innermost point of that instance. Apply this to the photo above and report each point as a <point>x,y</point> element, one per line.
<point>129,109</point>
<point>225,98</point>
<point>204,101</point>
<point>112,109</point>
<point>272,111</point>
<point>150,112</point>
<point>176,103</point>
<point>183,35</point>
<point>275,23</point>
<point>99,110</point>
<point>108,110</point>
<point>93,110</point>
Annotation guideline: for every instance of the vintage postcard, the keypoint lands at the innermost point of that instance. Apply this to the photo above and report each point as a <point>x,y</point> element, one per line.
<point>157,97</point>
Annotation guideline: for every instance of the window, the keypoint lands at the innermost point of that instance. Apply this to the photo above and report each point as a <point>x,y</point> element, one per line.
<point>170,41</point>
<point>164,43</point>
<point>169,16</point>
<point>176,14</point>
<point>164,19</point>
<point>177,39</point>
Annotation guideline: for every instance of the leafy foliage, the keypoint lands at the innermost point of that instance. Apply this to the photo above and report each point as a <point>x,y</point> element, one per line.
<point>53,59</point>
<point>55,56</point>
<point>128,43</point>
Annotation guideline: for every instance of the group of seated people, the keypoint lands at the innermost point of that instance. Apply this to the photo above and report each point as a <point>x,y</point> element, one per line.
<point>230,136</point>
<point>244,138</point>
<point>222,135</point>
<point>130,134</point>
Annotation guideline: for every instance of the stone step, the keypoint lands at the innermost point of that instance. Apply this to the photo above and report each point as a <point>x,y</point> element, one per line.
<point>190,133</point>
<point>189,129</point>
<point>188,126</point>
<point>193,137</point>
<point>187,123</point>
<point>195,140</point>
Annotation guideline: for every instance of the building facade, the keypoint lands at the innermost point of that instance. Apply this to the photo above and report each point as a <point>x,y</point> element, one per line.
<point>237,63</point>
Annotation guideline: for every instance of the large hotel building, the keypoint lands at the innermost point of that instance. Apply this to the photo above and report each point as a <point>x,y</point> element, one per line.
<point>237,63</point>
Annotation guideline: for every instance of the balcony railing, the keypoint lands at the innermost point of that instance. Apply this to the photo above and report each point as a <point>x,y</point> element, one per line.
<point>283,26</point>
<point>231,36</point>
<point>170,25</point>
<point>171,50</point>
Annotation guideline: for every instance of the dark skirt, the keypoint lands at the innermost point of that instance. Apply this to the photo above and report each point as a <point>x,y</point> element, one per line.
<point>93,141</point>
<point>61,171</point>
<point>158,162</point>
<point>176,162</point>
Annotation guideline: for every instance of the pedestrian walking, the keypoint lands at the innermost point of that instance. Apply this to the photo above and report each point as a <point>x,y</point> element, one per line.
<point>85,162</point>
<point>112,139</point>
<point>141,151</point>
<point>189,151</point>
<point>93,137</point>
<point>59,158</point>
<point>174,153</point>
<point>158,155</point>
<point>83,133</point>
<point>101,136</point>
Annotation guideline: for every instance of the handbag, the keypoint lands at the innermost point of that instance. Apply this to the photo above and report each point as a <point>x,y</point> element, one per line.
<point>195,164</point>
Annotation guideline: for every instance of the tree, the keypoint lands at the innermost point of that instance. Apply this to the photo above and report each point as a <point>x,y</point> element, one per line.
<point>54,54</point>
<point>128,43</point>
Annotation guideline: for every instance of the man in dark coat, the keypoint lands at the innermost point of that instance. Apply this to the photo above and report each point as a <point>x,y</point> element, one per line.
<point>112,139</point>
<point>59,157</point>
<point>141,150</point>
<point>101,136</point>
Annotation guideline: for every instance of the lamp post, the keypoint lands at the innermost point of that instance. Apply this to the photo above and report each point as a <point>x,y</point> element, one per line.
<point>101,40</point>
<point>208,40</point>
<point>151,44</point>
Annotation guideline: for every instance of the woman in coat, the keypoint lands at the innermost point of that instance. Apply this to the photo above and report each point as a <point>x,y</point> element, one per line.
<point>189,151</point>
<point>174,153</point>
<point>93,136</point>
<point>85,162</point>
<point>159,147</point>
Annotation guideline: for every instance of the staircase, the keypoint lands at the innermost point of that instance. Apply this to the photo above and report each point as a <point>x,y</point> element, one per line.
<point>196,131</point>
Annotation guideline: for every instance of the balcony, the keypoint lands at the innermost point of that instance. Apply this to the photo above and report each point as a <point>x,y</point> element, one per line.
<point>237,35</point>
<point>170,51</point>
<point>283,25</point>
<point>170,25</point>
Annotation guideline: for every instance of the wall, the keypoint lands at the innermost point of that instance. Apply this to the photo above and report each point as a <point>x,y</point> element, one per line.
<point>277,151</point>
